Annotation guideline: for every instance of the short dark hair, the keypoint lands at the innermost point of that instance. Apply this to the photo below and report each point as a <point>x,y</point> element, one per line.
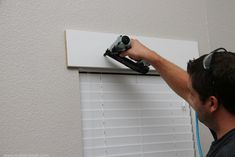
<point>219,81</point>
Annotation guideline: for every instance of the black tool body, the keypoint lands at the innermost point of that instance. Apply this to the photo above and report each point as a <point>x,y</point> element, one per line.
<point>123,43</point>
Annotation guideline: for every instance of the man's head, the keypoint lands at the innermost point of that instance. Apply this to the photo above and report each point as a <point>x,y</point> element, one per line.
<point>213,79</point>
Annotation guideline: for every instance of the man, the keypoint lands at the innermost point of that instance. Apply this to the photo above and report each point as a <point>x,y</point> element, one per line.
<point>208,86</point>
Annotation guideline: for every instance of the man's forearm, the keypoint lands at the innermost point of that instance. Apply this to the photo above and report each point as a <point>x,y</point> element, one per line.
<point>174,76</point>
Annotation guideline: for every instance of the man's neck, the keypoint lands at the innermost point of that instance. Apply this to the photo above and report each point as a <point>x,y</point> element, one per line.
<point>225,123</point>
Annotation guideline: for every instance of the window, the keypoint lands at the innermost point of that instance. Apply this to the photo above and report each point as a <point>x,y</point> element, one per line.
<point>133,116</point>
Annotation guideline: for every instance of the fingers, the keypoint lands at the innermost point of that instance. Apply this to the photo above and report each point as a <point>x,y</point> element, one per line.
<point>124,54</point>
<point>133,58</point>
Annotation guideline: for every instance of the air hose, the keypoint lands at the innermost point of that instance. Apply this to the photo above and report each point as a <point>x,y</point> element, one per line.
<point>198,136</point>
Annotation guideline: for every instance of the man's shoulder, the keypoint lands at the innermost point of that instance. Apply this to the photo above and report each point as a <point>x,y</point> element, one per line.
<point>224,147</point>
<point>228,150</point>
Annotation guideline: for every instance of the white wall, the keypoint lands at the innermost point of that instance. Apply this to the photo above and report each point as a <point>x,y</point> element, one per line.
<point>39,97</point>
<point>221,23</point>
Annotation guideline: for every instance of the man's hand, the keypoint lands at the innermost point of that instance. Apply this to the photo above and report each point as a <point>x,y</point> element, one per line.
<point>137,51</point>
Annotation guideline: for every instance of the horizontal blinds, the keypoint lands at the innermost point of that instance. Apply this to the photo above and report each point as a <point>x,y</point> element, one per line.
<point>133,116</point>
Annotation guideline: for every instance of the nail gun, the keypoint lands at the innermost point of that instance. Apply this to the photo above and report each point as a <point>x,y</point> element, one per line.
<point>121,44</point>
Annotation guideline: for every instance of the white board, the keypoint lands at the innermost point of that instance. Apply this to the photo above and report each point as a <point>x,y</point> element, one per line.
<point>85,50</point>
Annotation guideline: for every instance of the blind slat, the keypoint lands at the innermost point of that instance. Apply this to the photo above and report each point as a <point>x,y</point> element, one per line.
<point>133,139</point>
<point>128,104</point>
<point>174,153</point>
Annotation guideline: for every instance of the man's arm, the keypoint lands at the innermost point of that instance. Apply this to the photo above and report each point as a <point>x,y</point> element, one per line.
<point>174,76</point>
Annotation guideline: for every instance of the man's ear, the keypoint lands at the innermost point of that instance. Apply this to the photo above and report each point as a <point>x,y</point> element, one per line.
<point>213,104</point>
